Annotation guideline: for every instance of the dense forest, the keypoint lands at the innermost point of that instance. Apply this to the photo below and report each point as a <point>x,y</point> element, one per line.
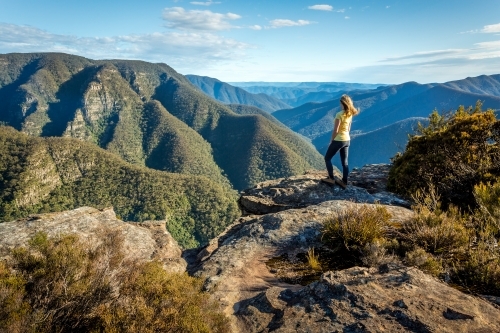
<point>54,174</point>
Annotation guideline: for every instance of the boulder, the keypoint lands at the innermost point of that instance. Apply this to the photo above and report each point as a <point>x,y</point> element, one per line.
<point>397,299</point>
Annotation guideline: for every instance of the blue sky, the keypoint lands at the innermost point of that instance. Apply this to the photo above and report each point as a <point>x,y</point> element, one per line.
<point>366,41</point>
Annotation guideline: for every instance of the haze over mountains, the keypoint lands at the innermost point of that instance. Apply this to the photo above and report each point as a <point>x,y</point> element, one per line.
<point>228,94</point>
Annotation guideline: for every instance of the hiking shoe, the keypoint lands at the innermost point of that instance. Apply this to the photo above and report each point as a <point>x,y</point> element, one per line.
<point>328,181</point>
<point>339,181</point>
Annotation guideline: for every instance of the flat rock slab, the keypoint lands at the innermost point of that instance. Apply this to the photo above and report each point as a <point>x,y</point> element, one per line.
<point>142,241</point>
<point>234,264</point>
<point>308,189</point>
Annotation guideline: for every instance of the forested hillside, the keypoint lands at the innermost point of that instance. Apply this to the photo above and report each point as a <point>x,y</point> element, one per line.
<point>54,174</point>
<point>149,115</point>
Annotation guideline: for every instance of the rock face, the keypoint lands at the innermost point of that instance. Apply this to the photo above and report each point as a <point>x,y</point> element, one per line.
<point>236,268</point>
<point>142,241</point>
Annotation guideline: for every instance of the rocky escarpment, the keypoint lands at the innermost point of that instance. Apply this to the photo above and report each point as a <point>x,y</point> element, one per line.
<point>141,241</point>
<point>237,268</point>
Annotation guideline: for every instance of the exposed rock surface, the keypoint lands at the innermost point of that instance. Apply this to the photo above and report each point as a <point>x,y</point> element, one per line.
<point>142,241</point>
<point>291,212</point>
<point>367,185</point>
<point>358,299</point>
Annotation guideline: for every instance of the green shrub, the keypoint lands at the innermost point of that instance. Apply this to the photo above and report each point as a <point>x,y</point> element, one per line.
<point>424,261</point>
<point>454,153</point>
<point>356,227</point>
<point>153,301</point>
<point>436,231</point>
<point>479,270</point>
<point>488,214</point>
<point>68,285</point>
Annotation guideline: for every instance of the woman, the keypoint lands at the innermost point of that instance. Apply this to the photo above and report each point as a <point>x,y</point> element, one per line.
<point>340,140</point>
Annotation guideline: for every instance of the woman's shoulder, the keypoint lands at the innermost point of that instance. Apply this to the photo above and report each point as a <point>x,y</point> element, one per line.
<point>339,115</point>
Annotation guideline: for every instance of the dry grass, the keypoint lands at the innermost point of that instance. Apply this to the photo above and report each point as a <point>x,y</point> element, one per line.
<point>356,227</point>
<point>313,260</point>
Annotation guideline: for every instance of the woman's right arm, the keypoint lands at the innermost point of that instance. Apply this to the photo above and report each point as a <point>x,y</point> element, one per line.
<point>336,126</point>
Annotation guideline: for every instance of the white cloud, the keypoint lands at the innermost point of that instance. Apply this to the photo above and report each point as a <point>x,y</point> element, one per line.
<point>280,23</point>
<point>206,3</point>
<point>321,7</point>
<point>181,50</point>
<point>179,18</point>
<point>256,27</point>
<point>492,28</point>
<point>425,54</point>
<point>347,17</point>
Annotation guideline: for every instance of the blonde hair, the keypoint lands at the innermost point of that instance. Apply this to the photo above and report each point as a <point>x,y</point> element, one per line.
<point>349,109</point>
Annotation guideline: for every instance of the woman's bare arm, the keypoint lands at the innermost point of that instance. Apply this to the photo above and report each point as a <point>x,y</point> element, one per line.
<point>336,126</point>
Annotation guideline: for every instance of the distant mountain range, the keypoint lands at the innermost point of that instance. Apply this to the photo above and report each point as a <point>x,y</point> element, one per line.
<point>228,94</point>
<point>298,93</point>
<point>385,106</point>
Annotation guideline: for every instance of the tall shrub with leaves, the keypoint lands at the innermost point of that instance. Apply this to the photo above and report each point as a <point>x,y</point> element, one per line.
<point>454,152</point>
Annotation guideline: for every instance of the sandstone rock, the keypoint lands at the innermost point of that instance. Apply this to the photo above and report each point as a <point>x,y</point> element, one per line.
<point>367,185</point>
<point>289,214</point>
<point>364,300</point>
<point>234,264</point>
<point>142,241</point>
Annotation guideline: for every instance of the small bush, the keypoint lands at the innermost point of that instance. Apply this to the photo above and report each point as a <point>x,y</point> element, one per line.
<point>488,214</point>
<point>480,269</point>
<point>455,153</point>
<point>375,254</point>
<point>424,261</point>
<point>356,227</point>
<point>436,231</point>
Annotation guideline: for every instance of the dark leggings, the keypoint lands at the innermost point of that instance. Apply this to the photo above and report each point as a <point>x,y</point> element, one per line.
<point>333,148</point>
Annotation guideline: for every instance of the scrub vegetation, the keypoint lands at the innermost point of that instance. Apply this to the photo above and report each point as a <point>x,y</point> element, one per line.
<point>64,284</point>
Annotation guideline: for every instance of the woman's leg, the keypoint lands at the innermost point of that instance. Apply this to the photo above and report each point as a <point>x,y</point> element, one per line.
<point>344,155</point>
<point>333,148</point>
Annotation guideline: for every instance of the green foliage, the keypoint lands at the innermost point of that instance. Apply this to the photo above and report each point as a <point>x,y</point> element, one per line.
<point>55,174</point>
<point>67,285</point>
<point>454,153</point>
<point>434,230</point>
<point>425,261</point>
<point>357,227</point>
<point>154,301</point>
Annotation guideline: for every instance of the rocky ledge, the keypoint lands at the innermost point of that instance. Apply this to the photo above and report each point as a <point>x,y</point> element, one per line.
<point>367,185</point>
<point>283,219</point>
<point>141,241</point>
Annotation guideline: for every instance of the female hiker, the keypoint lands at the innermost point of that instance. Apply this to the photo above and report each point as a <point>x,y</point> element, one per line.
<point>340,140</point>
